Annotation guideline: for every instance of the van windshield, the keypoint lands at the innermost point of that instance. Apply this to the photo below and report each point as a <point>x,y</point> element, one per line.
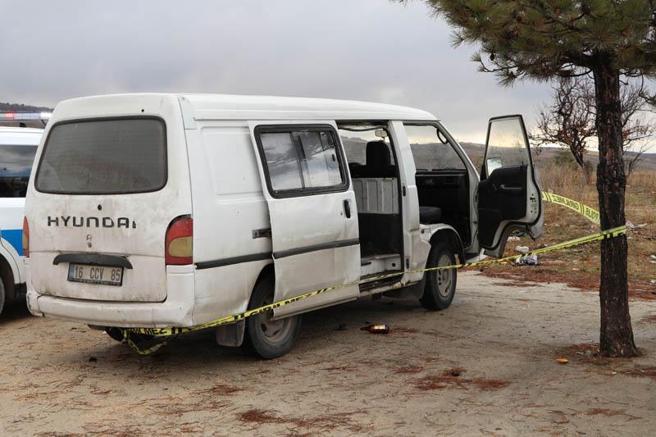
<point>15,168</point>
<point>113,156</point>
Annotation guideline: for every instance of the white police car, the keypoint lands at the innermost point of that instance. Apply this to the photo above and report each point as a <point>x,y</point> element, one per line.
<point>17,149</point>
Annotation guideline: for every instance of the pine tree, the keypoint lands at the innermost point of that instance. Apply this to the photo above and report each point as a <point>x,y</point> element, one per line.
<point>550,39</point>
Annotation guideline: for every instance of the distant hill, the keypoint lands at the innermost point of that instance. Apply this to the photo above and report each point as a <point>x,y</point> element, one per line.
<point>475,152</point>
<point>19,107</point>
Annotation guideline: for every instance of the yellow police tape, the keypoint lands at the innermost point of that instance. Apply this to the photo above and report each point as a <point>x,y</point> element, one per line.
<point>159,333</point>
<point>587,212</point>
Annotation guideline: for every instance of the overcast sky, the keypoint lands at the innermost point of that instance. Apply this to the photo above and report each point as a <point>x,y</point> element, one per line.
<point>373,50</point>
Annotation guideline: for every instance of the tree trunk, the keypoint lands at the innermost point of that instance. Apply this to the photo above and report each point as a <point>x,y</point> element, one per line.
<point>616,338</point>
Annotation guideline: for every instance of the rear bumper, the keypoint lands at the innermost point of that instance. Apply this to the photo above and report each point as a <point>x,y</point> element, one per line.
<point>176,311</point>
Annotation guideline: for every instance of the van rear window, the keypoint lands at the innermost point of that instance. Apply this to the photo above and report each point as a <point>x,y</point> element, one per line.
<point>113,156</point>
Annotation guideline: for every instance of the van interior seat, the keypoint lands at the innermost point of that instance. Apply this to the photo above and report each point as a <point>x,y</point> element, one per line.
<point>379,162</point>
<point>377,197</point>
<point>430,215</point>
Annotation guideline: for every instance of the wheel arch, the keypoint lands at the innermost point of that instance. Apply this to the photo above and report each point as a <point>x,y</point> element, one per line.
<point>12,258</point>
<point>7,278</point>
<point>267,270</point>
<point>233,335</point>
<point>449,235</point>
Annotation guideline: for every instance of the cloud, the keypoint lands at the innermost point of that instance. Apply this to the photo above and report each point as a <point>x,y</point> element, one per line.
<point>365,50</point>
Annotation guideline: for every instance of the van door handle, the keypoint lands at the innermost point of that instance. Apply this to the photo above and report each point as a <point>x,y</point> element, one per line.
<point>510,188</point>
<point>347,208</point>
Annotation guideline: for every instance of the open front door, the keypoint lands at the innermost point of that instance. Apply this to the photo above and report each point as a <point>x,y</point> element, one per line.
<point>508,195</point>
<point>314,222</point>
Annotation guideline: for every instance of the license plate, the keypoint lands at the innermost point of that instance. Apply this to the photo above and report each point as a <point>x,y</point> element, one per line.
<point>103,275</point>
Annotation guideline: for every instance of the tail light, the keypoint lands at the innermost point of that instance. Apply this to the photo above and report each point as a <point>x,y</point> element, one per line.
<point>26,238</point>
<point>179,241</point>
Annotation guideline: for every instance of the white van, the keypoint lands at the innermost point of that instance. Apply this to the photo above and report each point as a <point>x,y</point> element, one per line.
<point>17,149</point>
<point>163,210</point>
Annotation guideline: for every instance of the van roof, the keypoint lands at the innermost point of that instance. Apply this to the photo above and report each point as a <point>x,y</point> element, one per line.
<point>208,106</point>
<point>247,107</point>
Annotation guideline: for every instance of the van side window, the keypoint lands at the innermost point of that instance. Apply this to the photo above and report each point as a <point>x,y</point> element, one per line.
<point>302,160</point>
<point>431,150</point>
<point>368,150</point>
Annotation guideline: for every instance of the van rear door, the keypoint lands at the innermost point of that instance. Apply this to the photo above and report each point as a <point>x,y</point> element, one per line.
<point>105,192</point>
<point>314,222</point>
<point>508,195</point>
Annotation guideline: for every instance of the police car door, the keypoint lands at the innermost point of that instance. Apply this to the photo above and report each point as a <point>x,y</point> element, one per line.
<point>509,197</point>
<point>314,222</point>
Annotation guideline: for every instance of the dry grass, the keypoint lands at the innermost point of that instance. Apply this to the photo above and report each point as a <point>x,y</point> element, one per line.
<point>607,412</point>
<point>452,378</point>
<point>604,412</point>
<point>641,372</point>
<point>408,370</point>
<point>580,266</point>
<point>587,353</point>
<point>221,390</point>
<point>323,423</point>
<point>649,319</point>
<point>404,332</point>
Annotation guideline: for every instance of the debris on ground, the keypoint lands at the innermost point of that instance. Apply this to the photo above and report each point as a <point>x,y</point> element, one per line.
<point>522,249</point>
<point>527,260</point>
<point>452,378</point>
<point>377,329</point>
<point>630,225</point>
<point>562,360</point>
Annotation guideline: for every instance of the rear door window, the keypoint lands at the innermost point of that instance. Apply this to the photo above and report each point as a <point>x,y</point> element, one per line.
<point>15,168</point>
<point>111,156</point>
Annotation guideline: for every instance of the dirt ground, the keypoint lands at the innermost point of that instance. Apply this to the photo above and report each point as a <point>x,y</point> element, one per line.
<point>487,365</point>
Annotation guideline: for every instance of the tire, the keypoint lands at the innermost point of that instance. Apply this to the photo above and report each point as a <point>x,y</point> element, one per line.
<point>440,284</point>
<point>2,294</point>
<point>266,338</point>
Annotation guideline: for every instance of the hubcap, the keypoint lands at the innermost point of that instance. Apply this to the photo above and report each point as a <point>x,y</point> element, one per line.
<point>274,331</point>
<point>444,278</point>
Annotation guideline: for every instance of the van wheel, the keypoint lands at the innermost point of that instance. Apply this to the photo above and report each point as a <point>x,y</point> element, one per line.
<point>265,337</point>
<point>2,294</point>
<point>440,284</point>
